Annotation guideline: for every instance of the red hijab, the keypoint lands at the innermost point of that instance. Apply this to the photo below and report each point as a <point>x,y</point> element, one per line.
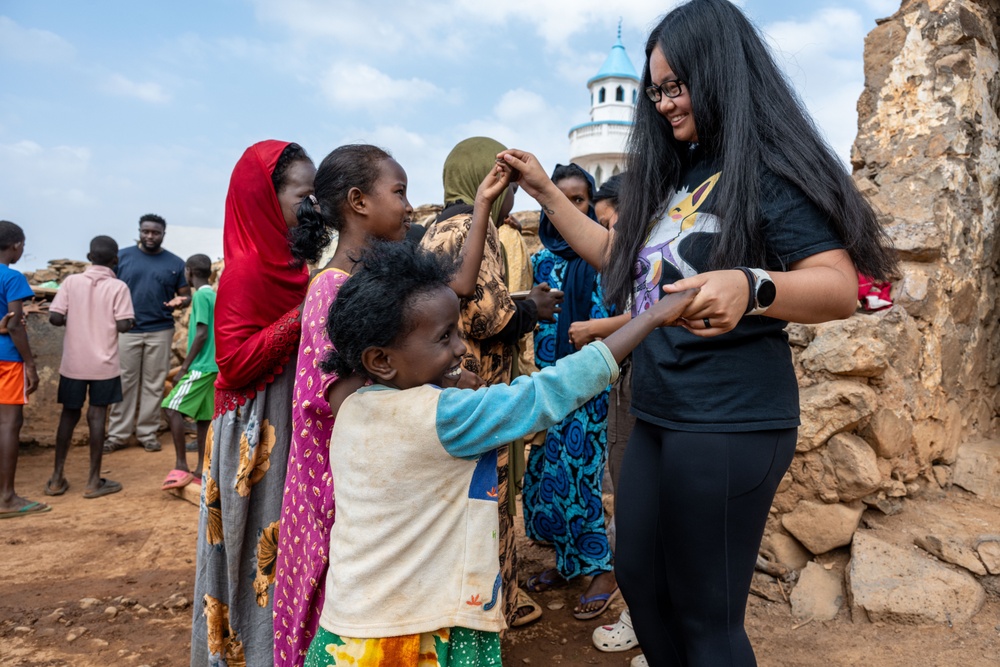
<point>260,284</point>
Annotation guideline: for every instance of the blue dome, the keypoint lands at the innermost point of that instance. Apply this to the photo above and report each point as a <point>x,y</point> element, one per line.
<point>618,64</point>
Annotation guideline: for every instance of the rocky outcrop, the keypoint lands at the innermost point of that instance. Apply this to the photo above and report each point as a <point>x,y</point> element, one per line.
<point>887,583</point>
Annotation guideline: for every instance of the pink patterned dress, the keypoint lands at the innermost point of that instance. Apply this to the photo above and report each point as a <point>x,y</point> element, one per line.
<point>307,509</point>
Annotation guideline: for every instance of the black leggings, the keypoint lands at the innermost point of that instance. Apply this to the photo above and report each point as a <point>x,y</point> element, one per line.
<point>690,515</point>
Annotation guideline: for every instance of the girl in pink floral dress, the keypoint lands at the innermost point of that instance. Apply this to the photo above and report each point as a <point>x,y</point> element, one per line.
<point>361,193</point>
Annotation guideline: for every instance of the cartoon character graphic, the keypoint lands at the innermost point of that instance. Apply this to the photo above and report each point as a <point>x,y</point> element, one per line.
<point>678,246</point>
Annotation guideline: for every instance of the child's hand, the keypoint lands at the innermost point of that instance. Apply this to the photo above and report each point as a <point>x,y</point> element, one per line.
<point>528,172</point>
<point>668,310</point>
<point>581,333</point>
<point>467,380</point>
<point>494,185</point>
<point>4,322</point>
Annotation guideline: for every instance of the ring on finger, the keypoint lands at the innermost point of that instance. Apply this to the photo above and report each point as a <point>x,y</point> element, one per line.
<point>708,325</point>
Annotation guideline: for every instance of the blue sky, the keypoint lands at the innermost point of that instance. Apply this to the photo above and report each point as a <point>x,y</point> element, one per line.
<point>114,108</point>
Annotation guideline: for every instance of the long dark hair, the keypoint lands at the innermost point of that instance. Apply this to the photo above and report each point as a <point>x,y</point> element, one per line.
<point>750,120</point>
<point>346,167</point>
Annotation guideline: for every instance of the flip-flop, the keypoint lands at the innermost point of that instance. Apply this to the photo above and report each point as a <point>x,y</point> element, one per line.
<point>177,479</point>
<point>524,601</point>
<point>33,507</point>
<point>607,598</point>
<point>107,487</point>
<point>546,580</point>
<point>58,490</point>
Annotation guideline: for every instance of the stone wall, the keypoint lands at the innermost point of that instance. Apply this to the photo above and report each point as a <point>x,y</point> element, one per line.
<point>888,397</point>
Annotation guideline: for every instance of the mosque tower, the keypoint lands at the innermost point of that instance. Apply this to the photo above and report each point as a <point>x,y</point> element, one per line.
<point>599,146</point>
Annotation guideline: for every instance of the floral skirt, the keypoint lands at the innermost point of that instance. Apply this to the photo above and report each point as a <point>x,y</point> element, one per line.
<point>245,459</point>
<point>562,491</point>
<point>448,647</point>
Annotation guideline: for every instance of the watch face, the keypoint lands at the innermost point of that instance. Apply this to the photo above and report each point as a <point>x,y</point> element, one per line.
<point>766,293</point>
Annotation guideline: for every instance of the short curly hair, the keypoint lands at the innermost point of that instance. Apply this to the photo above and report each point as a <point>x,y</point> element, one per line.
<point>376,305</point>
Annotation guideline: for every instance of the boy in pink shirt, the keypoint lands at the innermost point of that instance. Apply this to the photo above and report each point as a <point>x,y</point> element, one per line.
<point>95,307</point>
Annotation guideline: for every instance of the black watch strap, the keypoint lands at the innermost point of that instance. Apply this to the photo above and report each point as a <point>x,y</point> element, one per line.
<point>751,282</point>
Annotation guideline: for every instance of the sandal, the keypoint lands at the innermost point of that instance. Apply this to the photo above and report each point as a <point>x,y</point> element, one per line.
<point>62,488</point>
<point>177,479</point>
<point>33,507</point>
<point>110,447</point>
<point>545,580</point>
<point>606,598</point>
<point>639,661</point>
<point>107,487</point>
<point>617,637</point>
<point>524,601</point>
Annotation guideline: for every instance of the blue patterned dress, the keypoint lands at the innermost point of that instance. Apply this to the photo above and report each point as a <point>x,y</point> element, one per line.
<point>563,478</point>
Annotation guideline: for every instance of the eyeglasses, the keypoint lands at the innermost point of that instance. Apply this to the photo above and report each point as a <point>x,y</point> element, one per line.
<point>670,88</point>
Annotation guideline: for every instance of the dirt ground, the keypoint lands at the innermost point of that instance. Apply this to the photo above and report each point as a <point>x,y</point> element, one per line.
<point>109,582</point>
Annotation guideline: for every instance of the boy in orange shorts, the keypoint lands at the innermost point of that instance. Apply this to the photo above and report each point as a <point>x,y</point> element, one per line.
<point>18,376</point>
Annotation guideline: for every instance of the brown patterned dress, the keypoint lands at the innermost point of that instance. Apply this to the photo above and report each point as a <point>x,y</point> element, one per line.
<point>483,316</point>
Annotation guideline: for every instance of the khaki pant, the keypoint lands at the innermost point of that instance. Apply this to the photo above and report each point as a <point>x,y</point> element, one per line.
<point>145,360</point>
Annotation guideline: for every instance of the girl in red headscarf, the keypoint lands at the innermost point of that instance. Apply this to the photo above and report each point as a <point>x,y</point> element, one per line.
<point>256,337</point>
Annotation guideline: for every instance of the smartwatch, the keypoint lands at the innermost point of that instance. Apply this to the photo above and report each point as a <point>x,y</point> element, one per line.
<point>762,290</point>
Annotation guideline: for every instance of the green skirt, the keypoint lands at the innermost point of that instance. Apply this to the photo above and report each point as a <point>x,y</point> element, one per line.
<point>448,647</point>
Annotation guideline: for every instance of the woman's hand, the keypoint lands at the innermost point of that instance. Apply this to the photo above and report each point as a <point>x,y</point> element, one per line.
<point>494,185</point>
<point>719,305</point>
<point>529,172</point>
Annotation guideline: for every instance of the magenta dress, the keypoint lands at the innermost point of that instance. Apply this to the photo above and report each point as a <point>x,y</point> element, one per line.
<point>307,509</point>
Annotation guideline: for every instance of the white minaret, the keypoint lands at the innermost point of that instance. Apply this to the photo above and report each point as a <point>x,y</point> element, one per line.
<point>599,146</point>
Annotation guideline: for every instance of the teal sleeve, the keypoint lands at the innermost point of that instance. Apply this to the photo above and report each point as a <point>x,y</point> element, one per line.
<point>472,422</point>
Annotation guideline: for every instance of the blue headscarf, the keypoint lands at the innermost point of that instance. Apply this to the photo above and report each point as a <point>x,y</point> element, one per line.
<point>581,277</point>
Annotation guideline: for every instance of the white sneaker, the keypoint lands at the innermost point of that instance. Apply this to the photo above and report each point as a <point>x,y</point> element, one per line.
<point>617,637</point>
<point>639,661</point>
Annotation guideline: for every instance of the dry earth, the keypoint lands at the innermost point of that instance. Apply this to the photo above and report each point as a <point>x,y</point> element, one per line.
<point>133,553</point>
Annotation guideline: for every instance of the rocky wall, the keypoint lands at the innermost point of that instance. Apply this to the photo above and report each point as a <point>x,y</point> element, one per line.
<point>888,397</point>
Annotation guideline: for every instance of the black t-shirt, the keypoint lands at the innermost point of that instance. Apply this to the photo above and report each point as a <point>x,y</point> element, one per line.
<point>742,380</point>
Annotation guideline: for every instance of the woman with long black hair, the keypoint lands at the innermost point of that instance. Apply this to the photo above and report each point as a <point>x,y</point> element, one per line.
<point>733,191</point>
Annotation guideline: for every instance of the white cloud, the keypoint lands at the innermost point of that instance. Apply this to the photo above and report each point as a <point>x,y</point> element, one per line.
<point>32,45</point>
<point>823,57</point>
<point>883,7</point>
<point>116,84</point>
<point>357,85</point>
<point>449,25</point>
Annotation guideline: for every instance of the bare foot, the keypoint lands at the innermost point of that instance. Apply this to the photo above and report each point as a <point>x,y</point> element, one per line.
<point>601,585</point>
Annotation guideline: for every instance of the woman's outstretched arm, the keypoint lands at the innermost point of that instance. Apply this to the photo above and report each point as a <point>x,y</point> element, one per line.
<point>588,238</point>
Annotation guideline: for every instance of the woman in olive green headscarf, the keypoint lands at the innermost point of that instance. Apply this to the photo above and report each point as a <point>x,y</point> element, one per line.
<point>491,322</point>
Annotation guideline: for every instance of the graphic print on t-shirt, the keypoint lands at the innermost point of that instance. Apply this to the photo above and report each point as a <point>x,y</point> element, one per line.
<point>678,245</point>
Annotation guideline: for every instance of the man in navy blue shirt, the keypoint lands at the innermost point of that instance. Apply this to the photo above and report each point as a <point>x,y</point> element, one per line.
<point>155,277</point>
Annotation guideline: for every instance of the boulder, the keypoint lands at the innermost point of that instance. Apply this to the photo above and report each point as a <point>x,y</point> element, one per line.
<point>895,585</point>
<point>787,550</point>
<point>847,347</point>
<point>820,527</point>
<point>855,466</point>
<point>951,550</point>
<point>889,433</point>
<point>818,595</point>
<point>989,552</point>
<point>832,407</point>
<point>977,469</point>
